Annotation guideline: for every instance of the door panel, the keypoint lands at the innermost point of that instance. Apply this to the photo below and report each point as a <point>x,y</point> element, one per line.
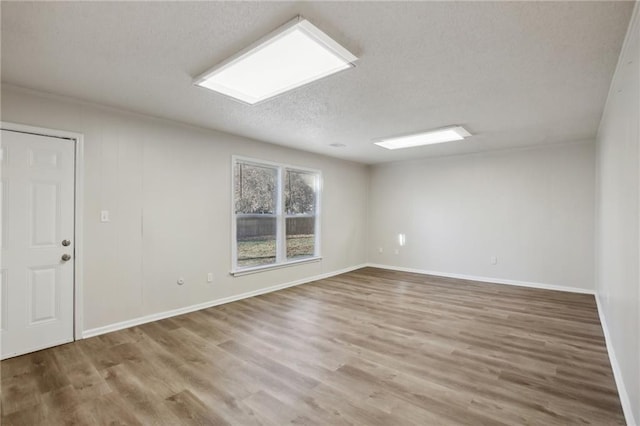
<point>44,208</point>
<point>37,214</point>
<point>4,319</point>
<point>43,159</point>
<point>4,155</point>
<point>4,199</point>
<point>43,294</point>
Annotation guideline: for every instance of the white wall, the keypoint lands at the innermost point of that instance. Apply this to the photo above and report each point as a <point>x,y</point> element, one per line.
<point>176,180</point>
<point>618,219</point>
<point>532,209</point>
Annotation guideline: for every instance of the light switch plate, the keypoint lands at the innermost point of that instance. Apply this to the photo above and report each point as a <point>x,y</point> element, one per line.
<point>104,216</point>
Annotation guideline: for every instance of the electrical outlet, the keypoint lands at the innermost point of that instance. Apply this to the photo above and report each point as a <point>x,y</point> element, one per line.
<point>210,277</point>
<point>494,260</point>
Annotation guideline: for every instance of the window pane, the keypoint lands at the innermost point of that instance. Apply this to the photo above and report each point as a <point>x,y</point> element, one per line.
<point>300,192</point>
<point>256,236</point>
<point>255,188</point>
<point>300,237</point>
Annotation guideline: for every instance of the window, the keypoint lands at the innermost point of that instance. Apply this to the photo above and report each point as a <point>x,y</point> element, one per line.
<point>275,214</point>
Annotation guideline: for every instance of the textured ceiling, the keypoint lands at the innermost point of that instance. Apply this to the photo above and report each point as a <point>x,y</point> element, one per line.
<point>513,73</point>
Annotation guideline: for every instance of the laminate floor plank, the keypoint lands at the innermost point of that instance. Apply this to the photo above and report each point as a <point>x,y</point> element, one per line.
<point>191,410</point>
<point>370,347</point>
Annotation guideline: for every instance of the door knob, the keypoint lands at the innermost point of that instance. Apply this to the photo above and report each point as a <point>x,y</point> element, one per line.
<point>66,243</point>
<point>66,257</point>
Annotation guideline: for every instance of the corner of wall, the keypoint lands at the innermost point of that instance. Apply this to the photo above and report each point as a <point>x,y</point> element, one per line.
<point>612,278</point>
<point>367,243</point>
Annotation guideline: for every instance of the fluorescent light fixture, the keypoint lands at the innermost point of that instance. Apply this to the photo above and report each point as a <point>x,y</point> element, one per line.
<point>293,55</point>
<point>447,134</point>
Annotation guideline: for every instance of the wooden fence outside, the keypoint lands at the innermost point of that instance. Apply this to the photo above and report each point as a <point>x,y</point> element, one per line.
<point>256,227</point>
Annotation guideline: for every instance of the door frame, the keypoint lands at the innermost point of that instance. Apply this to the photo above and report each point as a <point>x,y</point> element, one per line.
<point>78,271</point>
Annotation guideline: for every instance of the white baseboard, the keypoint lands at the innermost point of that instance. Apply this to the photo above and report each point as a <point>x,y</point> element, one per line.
<point>485,279</point>
<point>617,373</point>
<point>624,397</point>
<point>179,311</point>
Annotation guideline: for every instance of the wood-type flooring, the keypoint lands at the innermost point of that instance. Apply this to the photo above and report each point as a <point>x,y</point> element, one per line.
<point>370,347</point>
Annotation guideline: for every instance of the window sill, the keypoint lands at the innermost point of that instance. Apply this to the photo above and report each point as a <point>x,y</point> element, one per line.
<point>256,269</point>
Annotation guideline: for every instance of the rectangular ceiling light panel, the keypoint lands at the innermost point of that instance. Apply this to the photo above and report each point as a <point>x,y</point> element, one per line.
<point>447,134</point>
<point>293,55</point>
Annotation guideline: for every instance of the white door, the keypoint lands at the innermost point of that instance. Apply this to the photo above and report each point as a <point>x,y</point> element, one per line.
<point>37,242</point>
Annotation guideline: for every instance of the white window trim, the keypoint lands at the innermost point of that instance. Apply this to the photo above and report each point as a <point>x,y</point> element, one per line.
<point>281,254</point>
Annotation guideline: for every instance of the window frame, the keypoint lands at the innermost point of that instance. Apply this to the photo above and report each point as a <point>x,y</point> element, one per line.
<point>280,215</point>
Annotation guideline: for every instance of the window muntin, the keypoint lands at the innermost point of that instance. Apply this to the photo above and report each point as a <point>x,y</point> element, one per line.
<point>276,212</point>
